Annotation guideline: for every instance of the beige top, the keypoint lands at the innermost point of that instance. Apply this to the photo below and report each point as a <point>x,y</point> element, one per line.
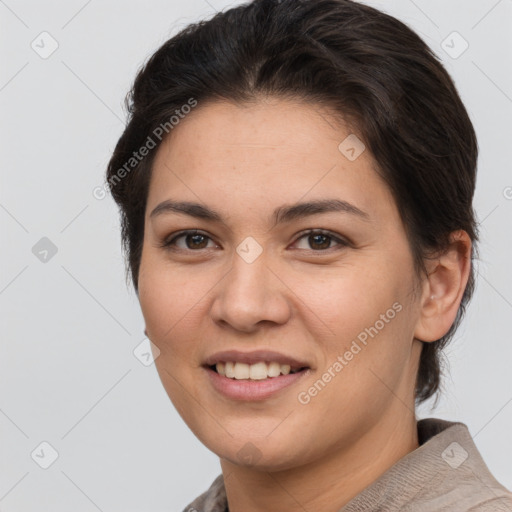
<point>446,473</point>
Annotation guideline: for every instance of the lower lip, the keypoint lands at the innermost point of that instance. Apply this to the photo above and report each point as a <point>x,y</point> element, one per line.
<point>246,389</point>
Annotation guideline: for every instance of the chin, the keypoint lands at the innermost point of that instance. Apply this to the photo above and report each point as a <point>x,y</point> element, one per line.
<point>259,453</point>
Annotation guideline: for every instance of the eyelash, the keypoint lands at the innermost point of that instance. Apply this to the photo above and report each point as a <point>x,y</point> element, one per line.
<point>169,244</point>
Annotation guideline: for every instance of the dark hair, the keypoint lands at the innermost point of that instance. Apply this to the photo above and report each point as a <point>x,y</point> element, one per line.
<point>367,67</point>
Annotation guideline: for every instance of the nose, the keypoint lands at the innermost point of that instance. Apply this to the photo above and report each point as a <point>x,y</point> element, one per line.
<point>251,294</point>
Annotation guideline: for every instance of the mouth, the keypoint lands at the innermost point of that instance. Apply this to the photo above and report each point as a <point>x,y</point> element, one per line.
<point>253,375</point>
<point>254,365</point>
<point>261,370</point>
<point>252,383</point>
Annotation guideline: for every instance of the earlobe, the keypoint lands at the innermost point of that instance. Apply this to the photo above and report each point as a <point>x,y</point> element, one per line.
<point>443,288</point>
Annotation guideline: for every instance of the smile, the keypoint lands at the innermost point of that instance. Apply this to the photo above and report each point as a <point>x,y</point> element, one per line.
<point>258,371</point>
<point>253,390</point>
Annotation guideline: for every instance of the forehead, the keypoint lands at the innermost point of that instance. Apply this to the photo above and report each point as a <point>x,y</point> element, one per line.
<point>264,154</point>
<point>266,128</point>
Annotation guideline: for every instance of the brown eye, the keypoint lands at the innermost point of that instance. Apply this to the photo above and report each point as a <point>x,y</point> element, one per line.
<point>193,240</point>
<point>320,240</point>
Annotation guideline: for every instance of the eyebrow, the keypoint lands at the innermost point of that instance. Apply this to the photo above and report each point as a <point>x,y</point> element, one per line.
<point>281,215</point>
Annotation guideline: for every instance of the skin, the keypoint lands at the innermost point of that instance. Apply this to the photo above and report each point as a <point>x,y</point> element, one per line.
<point>296,297</point>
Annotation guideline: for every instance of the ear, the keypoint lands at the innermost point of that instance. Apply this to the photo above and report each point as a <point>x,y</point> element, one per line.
<point>443,288</point>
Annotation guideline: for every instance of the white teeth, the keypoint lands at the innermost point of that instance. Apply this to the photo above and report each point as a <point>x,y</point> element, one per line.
<point>274,369</point>
<point>241,371</point>
<point>230,370</point>
<point>257,371</point>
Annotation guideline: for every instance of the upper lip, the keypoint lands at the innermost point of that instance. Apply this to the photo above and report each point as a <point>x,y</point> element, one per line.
<point>254,356</point>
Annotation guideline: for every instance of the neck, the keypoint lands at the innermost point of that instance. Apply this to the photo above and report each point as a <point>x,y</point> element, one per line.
<point>326,484</point>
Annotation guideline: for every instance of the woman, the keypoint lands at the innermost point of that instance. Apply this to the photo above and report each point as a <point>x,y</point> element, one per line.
<point>295,185</point>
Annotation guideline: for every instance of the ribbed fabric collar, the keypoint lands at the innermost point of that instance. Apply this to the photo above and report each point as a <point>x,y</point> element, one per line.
<point>445,473</point>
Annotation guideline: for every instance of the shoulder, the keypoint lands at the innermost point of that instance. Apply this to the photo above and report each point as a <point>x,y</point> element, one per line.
<point>446,473</point>
<point>460,480</point>
<point>212,500</point>
<point>503,504</point>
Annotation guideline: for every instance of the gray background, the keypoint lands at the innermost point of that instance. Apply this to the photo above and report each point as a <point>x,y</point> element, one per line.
<point>69,325</point>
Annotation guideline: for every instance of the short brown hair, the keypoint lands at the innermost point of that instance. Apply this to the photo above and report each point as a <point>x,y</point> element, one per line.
<point>365,65</point>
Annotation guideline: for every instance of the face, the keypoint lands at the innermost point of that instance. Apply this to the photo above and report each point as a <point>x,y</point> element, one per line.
<point>252,281</point>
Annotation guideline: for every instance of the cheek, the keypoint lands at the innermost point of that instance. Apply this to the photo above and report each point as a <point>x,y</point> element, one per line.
<point>171,305</point>
<point>168,298</point>
<point>346,300</point>
<point>365,333</point>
